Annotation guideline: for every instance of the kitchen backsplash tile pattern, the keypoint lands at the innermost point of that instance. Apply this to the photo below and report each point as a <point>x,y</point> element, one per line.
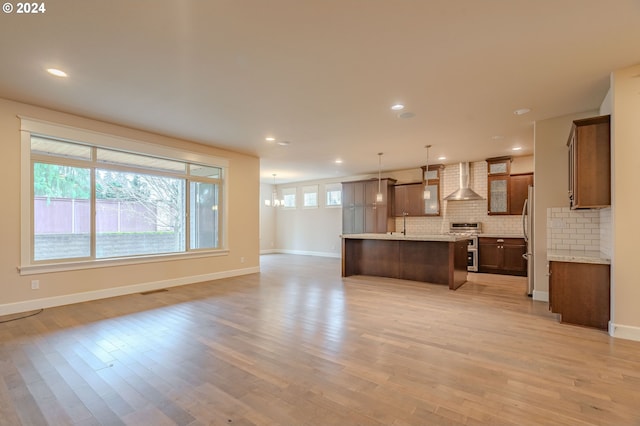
<point>577,229</point>
<point>606,230</point>
<point>463,211</point>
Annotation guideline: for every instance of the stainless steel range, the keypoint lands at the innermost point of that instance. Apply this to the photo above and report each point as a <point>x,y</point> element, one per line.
<point>472,229</point>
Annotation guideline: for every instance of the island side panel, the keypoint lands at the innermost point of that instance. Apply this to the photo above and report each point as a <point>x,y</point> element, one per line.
<point>427,261</point>
<point>458,269</point>
<point>379,258</point>
<point>351,255</point>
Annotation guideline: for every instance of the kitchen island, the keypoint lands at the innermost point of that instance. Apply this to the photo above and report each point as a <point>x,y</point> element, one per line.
<point>437,259</point>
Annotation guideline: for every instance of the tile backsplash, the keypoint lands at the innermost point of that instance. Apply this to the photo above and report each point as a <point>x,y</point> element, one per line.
<point>464,211</point>
<point>588,230</point>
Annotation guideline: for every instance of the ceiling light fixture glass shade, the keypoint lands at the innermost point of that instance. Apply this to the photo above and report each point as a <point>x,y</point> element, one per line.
<point>427,193</point>
<point>274,201</point>
<point>56,72</point>
<point>379,197</point>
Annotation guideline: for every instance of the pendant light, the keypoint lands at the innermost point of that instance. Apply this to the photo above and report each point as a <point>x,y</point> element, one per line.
<point>426,194</point>
<point>379,197</point>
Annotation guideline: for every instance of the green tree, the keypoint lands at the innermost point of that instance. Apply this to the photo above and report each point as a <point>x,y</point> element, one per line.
<point>57,181</point>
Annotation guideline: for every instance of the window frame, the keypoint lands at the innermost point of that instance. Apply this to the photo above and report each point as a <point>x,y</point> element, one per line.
<point>332,187</point>
<point>291,190</point>
<point>30,126</point>
<point>310,189</point>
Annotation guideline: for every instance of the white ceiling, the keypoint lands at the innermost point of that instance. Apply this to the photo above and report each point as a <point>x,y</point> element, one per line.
<point>323,74</point>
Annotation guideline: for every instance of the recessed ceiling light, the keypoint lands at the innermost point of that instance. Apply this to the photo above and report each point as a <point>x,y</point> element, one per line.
<point>397,107</point>
<point>338,161</point>
<point>517,148</point>
<point>283,143</point>
<point>442,158</point>
<point>270,139</point>
<point>521,111</point>
<point>56,72</point>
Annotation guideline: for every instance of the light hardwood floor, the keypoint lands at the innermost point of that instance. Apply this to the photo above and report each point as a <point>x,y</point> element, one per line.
<point>299,345</point>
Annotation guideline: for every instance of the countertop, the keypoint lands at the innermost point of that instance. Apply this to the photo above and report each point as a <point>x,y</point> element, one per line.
<point>502,235</point>
<point>578,256</point>
<point>409,237</point>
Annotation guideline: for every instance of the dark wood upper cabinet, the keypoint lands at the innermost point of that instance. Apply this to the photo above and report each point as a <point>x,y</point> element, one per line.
<point>410,199</point>
<point>590,163</point>
<point>519,191</point>
<point>431,182</point>
<point>506,192</point>
<point>361,212</point>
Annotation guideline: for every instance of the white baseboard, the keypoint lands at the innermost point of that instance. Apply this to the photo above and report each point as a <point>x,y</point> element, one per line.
<point>302,253</point>
<point>541,296</point>
<point>621,331</point>
<point>49,302</point>
<point>269,251</point>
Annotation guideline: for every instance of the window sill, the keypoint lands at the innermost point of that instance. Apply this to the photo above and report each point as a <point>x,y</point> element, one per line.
<point>106,263</point>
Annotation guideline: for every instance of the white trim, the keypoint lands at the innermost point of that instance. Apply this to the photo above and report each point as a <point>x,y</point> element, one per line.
<point>26,192</point>
<point>305,253</point>
<point>269,251</point>
<point>29,126</point>
<point>105,263</point>
<point>541,296</point>
<point>73,134</point>
<point>622,331</point>
<point>49,302</point>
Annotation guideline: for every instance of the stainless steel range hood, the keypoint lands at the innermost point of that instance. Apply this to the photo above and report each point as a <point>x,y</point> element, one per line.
<point>464,192</point>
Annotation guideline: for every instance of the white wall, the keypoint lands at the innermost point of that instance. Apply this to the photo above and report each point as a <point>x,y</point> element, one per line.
<point>625,131</point>
<point>311,231</point>
<point>267,220</point>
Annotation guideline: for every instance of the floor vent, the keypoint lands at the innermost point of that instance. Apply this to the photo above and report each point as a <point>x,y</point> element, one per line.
<point>146,293</point>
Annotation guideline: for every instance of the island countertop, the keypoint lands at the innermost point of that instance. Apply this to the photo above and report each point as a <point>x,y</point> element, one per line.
<point>578,256</point>
<point>410,237</point>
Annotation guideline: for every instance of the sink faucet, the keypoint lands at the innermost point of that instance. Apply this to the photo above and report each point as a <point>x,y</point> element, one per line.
<point>404,223</point>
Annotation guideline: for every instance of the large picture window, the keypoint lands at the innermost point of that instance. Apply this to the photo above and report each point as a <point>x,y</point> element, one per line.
<point>92,202</point>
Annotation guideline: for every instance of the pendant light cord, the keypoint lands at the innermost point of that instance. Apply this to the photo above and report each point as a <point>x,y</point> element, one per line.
<point>379,171</point>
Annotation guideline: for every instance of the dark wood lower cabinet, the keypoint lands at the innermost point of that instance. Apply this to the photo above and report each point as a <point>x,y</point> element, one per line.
<point>580,293</point>
<point>502,256</point>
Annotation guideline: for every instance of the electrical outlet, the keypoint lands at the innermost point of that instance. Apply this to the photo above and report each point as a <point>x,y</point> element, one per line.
<point>35,284</point>
<point>242,260</point>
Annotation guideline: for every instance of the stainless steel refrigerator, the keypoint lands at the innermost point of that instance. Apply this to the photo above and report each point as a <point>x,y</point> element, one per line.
<point>527,229</point>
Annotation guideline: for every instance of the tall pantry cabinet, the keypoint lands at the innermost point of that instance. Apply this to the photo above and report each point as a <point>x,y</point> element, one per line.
<point>361,212</point>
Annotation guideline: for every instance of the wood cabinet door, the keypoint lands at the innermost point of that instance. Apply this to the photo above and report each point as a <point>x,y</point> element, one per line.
<point>580,293</point>
<point>409,199</point>
<point>400,201</point>
<point>498,194</point>
<point>592,163</point>
<point>352,207</point>
<point>512,260</point>
<point>519,191</point>
<point>415,200</point>
<point>489,255</point>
